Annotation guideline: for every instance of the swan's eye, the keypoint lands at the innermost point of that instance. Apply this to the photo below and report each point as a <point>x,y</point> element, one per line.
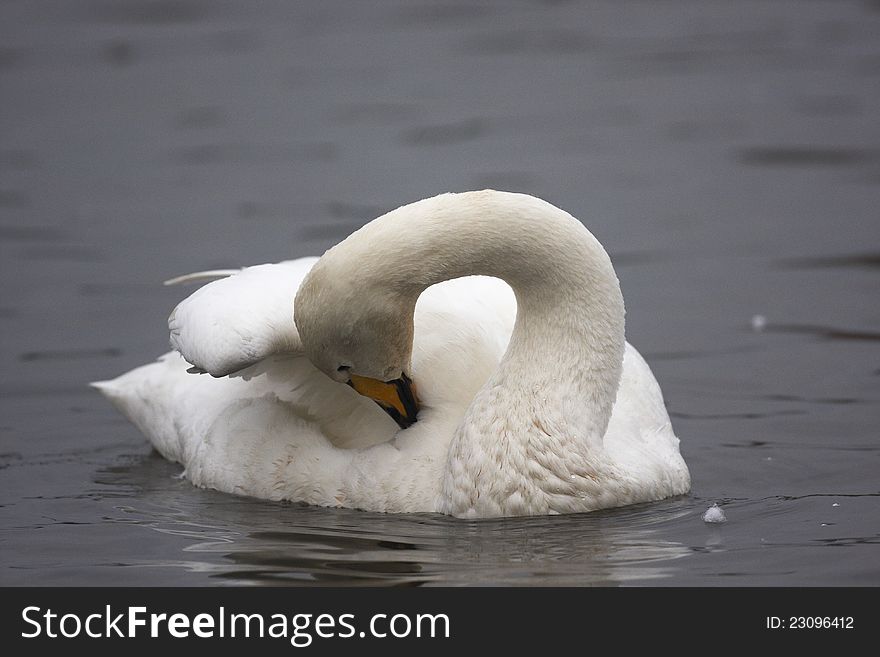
<point>343,368</point>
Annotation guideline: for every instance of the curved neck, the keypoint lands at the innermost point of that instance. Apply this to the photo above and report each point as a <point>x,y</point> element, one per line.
<point>568,341</point>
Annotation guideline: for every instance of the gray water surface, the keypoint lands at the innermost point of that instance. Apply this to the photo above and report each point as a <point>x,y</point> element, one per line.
<point>726,154</point>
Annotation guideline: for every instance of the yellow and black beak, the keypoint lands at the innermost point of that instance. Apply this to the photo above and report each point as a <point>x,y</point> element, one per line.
<point>397,398</point>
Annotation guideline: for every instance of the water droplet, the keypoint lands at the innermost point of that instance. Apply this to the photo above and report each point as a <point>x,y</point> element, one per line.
<point>714,514</point>
<point>759,323</point>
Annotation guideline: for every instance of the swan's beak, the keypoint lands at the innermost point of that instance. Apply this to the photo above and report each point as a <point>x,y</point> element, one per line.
<point>397,398</point>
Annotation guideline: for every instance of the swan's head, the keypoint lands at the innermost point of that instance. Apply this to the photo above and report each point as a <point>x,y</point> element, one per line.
<point>360,334</point>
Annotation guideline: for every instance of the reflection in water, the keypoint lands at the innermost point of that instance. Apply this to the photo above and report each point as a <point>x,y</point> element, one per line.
<point>253,541</point>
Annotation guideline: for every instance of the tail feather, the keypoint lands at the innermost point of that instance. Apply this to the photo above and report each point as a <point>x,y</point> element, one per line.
<point>201,276</point>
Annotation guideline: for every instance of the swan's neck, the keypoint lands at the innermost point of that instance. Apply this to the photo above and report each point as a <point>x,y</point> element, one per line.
<point>533,431</point>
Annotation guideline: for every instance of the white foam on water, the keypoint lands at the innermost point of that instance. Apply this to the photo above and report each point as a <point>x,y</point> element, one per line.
<point>714,514</point>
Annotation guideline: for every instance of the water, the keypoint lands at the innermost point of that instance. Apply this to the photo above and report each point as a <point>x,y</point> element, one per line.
<point>726,154</point>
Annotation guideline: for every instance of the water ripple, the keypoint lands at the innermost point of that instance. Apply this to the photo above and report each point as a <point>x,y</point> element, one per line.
<point>804,156</point>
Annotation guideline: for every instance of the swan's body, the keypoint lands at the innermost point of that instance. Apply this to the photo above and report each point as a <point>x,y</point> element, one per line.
<point>532,402</point>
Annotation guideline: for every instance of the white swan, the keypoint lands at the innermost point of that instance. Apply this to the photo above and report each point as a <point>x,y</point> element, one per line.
<point>531,402</point>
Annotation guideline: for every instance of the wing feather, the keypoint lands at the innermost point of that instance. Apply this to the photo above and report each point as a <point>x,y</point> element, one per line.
<point>237,321</point>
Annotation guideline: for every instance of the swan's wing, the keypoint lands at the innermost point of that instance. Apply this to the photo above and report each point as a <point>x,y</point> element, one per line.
<point>232,325</point>
<point>275,428</point>
<point>235,322</point>
<point>242,328</point>
<point>640,438</point>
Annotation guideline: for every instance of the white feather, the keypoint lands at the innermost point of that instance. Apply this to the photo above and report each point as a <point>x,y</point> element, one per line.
<point>201,276</point>
<point>490,439</point>
<point>239,320</point>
